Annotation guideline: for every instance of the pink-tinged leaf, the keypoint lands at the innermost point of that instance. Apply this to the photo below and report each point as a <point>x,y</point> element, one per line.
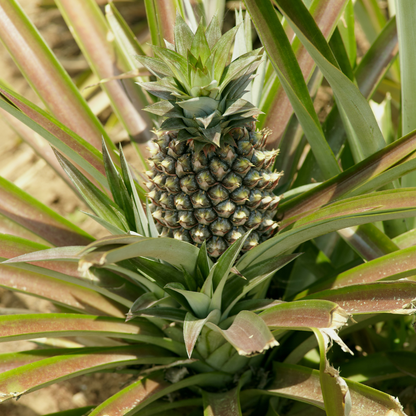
<point>305,314</point>
<point>350,179</point>
<point>192,327</point>
<point>222,404</point>
<point>303,384</point>
<point>126,400</point>
<point>41,148</point>
<point>56,133</point>
<point>90,30</point>
<point>383,297</point>
<point>19,249</point>
<point>384,205</point>
<point>45,74</point>
<point>368,241</point>
<point>393,266</point>
<point>17,327</point>
<point>7,226</point>
<point>278,111</point>
<point>38,374</point>
<point>139,395</point>
<point>64,293</point>
<point>178,253</point>
<point>335,392</point>
<point>25,210</point>
<point>248,334</point>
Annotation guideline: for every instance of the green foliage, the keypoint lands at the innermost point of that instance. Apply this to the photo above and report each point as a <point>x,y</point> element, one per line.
<point>246,333</point>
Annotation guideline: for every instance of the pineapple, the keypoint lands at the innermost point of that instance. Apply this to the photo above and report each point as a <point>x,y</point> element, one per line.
<point>211,178</point>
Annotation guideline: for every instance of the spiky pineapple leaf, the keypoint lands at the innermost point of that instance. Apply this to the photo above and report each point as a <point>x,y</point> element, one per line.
<point>22,39</point>
<point>157,388</point>
<point>379,297</point>
<point>39,374</point>
<point>58,135</point>
<point>382,205</point>
<point>394,266</point>
<point>31,214</point>
<point>353,103</point>
<point>199,302</point>
<point>302,383</point>
<point>192,327</point>
<point>237,288</point>
<point>176,252</point>
<point>97,200</point>
<point>64,292</point>
<point>248,334</point>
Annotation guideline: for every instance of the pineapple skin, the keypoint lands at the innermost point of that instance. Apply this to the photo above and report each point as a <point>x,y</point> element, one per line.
<point>214,195</point>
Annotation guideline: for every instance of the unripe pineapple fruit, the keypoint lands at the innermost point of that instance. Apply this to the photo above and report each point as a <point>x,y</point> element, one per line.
<point>211,178</point>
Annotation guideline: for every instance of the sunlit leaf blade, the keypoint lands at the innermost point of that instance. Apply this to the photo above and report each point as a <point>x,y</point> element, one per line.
<point>335,392</point>
<point>7,226</point>
<point>192,327</point>
<point>175,252</point>
<point>127,44</point>
<point>90,30</point>
<point>373,207</point>
<point>394,266</point>
<point>369,73</point>
<point>59,136</point>
<point>38,64</point>
<point>12,246</point>
<point>284,62</point>
<point>306,314</point>
<point>97,200</point>
<point>377,59</point>
<point>18,327</point>
<point>379,297</point>
<point>41,148</point>
<point>349,97</point>
<point>25,210</point>
<point>222,404</point>
<point>350,179</point>
<point>302,383</point>
<point>216,379</point>
<point>222,270</point>
<point>64,293</point>
<point>124,402</point>
<point>368,241</point>
<point>236,288</point>
<point>38,374</point>
<point>248,334</point>
<point>275,103</point>
<point>160,17</point>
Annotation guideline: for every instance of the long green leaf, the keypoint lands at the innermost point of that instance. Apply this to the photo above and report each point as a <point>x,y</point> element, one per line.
<point>379,297</point>
<point>58,135</point>
<point>64,293</point>
<point>379,206</point>
<point>46,75</point>
<point>36,217</point>
<point>90,30</point>
<point>275,103</point>
<point>350,99</point>
<point>39,374</point>
<point>284,62</point>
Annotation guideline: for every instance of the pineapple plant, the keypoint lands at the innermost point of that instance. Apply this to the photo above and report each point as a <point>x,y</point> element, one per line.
<point>211,178</point>
<point>211,298</point>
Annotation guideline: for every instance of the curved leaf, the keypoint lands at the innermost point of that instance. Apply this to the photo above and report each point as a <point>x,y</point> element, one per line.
<point>39,374</point>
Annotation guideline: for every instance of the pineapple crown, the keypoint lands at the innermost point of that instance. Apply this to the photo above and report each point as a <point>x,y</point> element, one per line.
<point>201,92</point>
